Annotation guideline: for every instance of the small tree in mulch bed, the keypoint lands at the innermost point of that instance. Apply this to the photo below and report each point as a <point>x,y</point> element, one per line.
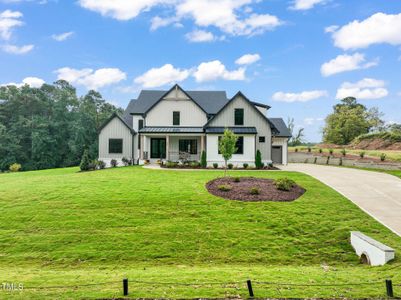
<point>85,161</point>
<point>203,159</point>
<point>227,147</point>
<point>258,160</point>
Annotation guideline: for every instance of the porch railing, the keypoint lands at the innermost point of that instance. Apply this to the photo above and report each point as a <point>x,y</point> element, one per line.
<point>178,156</point>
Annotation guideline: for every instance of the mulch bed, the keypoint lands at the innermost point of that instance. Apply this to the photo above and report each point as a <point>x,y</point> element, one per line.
<point>241,190</point>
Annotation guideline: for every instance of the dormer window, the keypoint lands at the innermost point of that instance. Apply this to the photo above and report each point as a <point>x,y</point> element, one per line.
<point>239,116</point>
<point>176,118</point>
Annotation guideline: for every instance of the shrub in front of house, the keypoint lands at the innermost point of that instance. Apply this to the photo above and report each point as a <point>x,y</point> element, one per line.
<point>296,149</point>
<point>171,164</point>
<point>262,165</point>
<point>245,165</point>
<point>15,167</point>
<point>237,179</point>
<point>383,157</point>
<point>114,163</point>
<point>100,164</point>
<point>215,165</point>
<point>344,152</point>
<point>331,151</point>
<point>258,160</point>
<point>362,154</point>
<point>203,159</point>
<point>92,165</point>
<point>284,184</point>
<point>194,164</point>
<point>224,188</point>
<point>230,166</point>
<point>85,161</point>
<point>126,161</point>
<point>309,149</point>
<point>320,151</point>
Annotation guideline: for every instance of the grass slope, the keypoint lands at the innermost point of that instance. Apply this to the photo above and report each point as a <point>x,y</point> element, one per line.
<point>64,228</point>
<point>391,155</point>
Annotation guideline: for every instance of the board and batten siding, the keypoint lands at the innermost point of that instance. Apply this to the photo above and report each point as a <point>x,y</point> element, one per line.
<point>252,118</point>
<point>115,129</point>
<point>162,114</point>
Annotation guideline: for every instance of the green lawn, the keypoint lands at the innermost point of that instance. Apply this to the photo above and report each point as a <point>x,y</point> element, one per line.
<point>61,228</point>
<point>390,154</point>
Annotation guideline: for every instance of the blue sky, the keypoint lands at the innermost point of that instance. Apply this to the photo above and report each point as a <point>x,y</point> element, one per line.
<point>298,56</point>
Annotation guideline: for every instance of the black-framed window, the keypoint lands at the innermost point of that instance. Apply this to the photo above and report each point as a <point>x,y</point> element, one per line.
<point>190,146</point>
<point>115,146</point>
<point>239,116</point>
<point>140,124</point>
<point>239,145</point>
<point>262,139</point>
<point>139,142</point>
<point>176,118</point>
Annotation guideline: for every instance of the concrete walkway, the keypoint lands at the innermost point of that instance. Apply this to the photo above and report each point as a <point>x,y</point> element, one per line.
<point>378,194</point>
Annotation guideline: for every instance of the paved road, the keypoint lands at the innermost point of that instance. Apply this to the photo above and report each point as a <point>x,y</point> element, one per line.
<point>378,194</point>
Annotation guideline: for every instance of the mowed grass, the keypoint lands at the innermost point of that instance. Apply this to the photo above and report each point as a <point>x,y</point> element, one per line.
<point>63,229</point>
<point>392,155</point>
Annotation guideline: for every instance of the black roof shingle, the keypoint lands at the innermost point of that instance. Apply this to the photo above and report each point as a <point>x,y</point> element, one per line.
<point>282,129</point>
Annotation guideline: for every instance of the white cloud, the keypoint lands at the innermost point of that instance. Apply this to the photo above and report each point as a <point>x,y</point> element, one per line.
<point>248,59</point>
<point>19,50</point>
<point>199,36</point>
<point>166,74</point>
<point>213,70</point>
<point>367,88</point>
<point>62,36</point>
<point>345,62</point>
<point>121,9</point>
<point>312,121</point>
<point>230,16</point>
<point>331,29</point>
<point>299,97</point>
<point>34,82</point>
<point>305,4</point>
<point>8,21</point>
<point>91,79</point>
<point>379,28</point>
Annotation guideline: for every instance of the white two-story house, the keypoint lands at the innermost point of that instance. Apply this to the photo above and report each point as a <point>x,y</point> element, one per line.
<point>161,124</point>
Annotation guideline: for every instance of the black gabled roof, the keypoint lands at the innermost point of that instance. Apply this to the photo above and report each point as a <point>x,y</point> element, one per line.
<point>236,130</point>
<point>274,129</point>
<point>283,130</point>
<point>116,115</point>
<point>209,101</point>
<point>261,104</point>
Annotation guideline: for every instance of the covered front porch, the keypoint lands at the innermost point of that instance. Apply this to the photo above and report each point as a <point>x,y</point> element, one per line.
<point>171,144</point>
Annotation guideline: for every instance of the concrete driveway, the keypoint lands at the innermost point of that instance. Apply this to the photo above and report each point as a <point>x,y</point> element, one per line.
<point>378,194</point>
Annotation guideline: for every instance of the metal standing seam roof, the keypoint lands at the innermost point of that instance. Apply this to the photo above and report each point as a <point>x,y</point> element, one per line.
<point>283,130</point>
<point>236,130</point>
<point>167,129</point>
<point>210,101</point>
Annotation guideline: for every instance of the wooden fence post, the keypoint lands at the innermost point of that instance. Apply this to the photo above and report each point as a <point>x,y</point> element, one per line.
<point>249,284</point>
<point>125,287</point>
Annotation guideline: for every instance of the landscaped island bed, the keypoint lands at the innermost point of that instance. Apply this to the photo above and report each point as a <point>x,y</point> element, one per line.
<point>251,189</point>
<point>63,228</point>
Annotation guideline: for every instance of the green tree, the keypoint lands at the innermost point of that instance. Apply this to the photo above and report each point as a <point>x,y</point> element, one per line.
<point>258,160</point>
<point>227,147</point>
<point>296,138</point>
<point>85,161</point>
<point>203,159</point>
<point>348,120</point>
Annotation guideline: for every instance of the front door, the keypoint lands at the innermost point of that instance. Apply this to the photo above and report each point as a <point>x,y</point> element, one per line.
<point>157,148</point>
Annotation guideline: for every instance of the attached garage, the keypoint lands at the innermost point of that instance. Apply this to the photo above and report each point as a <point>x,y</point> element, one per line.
<point>277,154</point>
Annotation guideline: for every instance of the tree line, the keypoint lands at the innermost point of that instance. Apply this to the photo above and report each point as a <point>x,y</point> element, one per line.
<point>348,121</point>
<point>50,126</point>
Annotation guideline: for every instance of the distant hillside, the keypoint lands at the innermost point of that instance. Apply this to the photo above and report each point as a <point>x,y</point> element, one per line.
<point>378,141</point>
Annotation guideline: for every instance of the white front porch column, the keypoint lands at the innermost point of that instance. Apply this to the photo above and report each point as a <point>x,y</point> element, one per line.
<point>202,143</point>
<point>142,146</point>
<point>167,147</point>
